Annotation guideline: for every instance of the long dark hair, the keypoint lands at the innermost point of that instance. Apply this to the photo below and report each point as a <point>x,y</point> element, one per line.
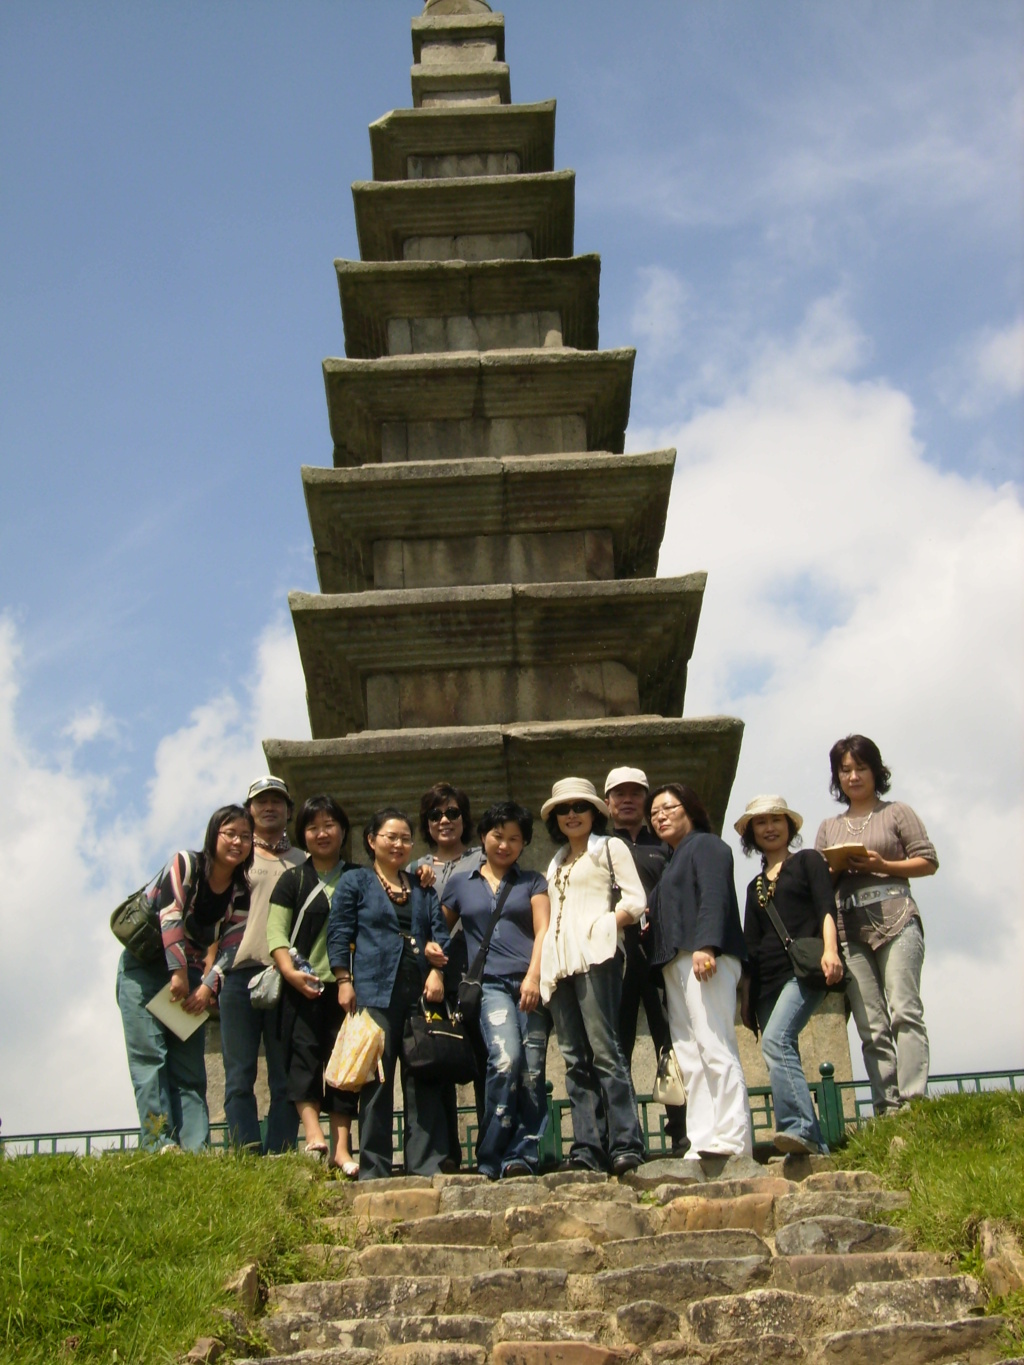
<point>864,750</point>
<point>222,816</point>
<point>688,799</point>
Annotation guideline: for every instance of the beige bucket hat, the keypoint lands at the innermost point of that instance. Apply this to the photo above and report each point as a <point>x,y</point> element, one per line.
<point>766,805</point>
<point>572,789</point>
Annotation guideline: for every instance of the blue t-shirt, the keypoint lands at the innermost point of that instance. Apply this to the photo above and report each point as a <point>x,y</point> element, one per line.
<point>469,896</point>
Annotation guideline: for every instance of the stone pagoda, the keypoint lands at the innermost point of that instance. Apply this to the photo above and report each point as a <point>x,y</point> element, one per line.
<point>488,612</point>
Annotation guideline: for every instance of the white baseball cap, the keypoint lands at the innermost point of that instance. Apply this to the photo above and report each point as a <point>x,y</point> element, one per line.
<point>618,776</point>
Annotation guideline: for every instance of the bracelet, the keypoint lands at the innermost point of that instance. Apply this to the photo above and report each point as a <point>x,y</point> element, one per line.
<point>344,980</point>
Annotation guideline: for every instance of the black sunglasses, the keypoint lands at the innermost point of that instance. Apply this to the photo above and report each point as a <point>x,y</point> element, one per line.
<point>577,808</point>
<point>437,814</point>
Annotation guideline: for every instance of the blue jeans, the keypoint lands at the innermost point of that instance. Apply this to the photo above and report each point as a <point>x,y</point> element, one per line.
<point>515,1103</point>
<point>241,1030</point>
<point>168,1074</point>
<point>585,1009</point>
<point>781,1020</point>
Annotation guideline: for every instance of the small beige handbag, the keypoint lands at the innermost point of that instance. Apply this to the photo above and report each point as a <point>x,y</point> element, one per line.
<point>668,1083</point>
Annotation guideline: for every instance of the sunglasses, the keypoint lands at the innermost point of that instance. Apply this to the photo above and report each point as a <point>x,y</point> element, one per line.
<point>577,808</point>
<point>437,814</point>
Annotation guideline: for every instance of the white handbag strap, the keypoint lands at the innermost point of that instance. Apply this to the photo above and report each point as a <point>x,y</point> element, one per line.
<point>305,906</point>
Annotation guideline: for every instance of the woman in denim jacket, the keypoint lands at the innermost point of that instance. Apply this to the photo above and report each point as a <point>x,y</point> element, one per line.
<point>380,925</point>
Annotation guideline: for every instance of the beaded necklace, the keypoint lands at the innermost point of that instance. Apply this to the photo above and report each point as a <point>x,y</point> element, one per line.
<point>561,880</point>
<point>396,897</point>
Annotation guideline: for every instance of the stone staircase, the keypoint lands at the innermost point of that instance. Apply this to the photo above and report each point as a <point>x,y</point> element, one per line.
<point>728,1263</point>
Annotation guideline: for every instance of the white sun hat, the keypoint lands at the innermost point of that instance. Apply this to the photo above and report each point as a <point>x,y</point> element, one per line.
<point>572,789</point>
<point>766,805</point>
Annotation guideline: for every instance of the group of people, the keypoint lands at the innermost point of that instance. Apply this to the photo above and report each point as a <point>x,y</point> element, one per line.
<point>637,906</point>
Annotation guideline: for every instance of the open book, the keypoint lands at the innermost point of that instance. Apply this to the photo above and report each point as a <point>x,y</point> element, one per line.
<point>838,855</point>
<point>172,1016</point>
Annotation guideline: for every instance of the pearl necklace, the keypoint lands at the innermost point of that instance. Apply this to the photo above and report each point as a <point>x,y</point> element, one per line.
<point>858,829</point>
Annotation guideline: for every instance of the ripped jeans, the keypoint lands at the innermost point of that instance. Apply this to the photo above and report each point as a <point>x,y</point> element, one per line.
<point>515,1102</point>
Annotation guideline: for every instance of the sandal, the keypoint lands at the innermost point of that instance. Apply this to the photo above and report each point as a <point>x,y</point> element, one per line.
<point>317,1149</point>
<point>349,1169</point>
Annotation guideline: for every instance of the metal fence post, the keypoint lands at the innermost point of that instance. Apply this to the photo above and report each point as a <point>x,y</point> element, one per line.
<point>830,1106</point>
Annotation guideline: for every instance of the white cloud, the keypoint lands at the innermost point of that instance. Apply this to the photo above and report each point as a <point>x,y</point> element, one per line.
<point>988,371</point>
<point>63,1055</point>
<point>853,586</point>
<point>90,724</point>
<point>661,312</point>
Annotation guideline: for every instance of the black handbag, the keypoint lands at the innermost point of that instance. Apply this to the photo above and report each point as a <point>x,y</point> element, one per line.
<point>436,1046</point>
<point>805,955</point>
<point>471,991</point>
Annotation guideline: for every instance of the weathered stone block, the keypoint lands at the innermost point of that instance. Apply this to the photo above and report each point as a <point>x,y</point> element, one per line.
<point>837,1273</point>
<point>469,246</point>
<point>673,1283</point>
<point>464,52</point>
<point>432,1353</point>
<point>446,99</point>
<point>826,1233</point>
<point>418,1259</point>
<point>973,1339</point>
<point>866,1204</point>
<point>576,1255</point>
<point>925,1300</point>
<point>397,1204</point>
<point>452,164</point>
<point>365,1296</point>
<point>677,1246</point>
<point>646,1321</point>
<point>752,1211</point>
<point>561,1219</point>
<point>556,1353</point>
<point>551,1326</point>
<point>493,1291</point>
<point>469,1228</point>
<point>759,1312</point>
<point>842,1182</point>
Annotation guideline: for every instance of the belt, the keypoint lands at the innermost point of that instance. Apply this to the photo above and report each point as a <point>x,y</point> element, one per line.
<point>868,895</point>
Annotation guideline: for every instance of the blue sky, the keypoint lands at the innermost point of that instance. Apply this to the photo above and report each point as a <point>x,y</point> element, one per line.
<point>810,223</point>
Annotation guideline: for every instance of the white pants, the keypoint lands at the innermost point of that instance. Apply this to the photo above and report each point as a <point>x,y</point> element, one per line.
<point>702,1021</point>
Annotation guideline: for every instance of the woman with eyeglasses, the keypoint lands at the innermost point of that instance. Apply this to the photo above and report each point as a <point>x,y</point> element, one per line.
<point>391,920</point>
<point>595,891</point>
<point>202,899</point>
<point>699,944</point>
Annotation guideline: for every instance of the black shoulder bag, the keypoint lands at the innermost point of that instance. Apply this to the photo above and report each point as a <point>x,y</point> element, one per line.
<point>471,992</point>
<point>805,955</point>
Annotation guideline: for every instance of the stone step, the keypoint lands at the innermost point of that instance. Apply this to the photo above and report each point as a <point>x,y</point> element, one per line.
<point>674,1284</point>
<point>688,1174</point>
<point>469,1227</point>
<point>842,1182</point>
<point>577,1255</point>
<point>331,1355</point>
<point>646,1321</point>
<point>830,1233</point>
<point>771,1349</point>
<point>290,1332</point>
<point>774,1185</point>
<point>497,1196</point>
<point>596,1220</point>
<point>752,1211</point>
<point>780,1311</point>
<point>556,1353</point>
<point>396,1205</point>
<point>417,1260</point>
<point>587,1325</point>
<point>865,1204</point>
<point>675,1246</point>
<point>836,1272</point>
<point>969,1341</point>
<point>345,1191</point>
<point>364,1295</point>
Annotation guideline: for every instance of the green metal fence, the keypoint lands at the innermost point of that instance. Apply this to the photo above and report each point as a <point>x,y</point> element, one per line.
<point>841,1105</point>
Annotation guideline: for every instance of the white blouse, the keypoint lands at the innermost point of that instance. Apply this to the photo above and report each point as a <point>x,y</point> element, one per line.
<point>583,931</point>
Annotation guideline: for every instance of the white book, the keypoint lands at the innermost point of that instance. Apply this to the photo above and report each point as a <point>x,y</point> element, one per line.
<point>172,1015</point>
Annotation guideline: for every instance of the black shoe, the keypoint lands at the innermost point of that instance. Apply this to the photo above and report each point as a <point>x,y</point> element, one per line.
<point>681,1146</point>
<point>628,1161</point>
<point>515,1168</point>
<point>575,1163</point>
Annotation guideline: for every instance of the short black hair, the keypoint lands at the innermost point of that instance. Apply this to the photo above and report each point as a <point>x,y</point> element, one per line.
<point>749,844</point>
<point>222,816</point>
<point>864,750</point>
<point>600,825</point>
<point>314,805</point>
<point>688,799</point>
<point>378,820</point>
<point>435,796</point>
<point>506,813</point>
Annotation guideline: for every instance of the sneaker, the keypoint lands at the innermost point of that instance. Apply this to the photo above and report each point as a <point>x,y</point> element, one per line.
<point>794,1145</point>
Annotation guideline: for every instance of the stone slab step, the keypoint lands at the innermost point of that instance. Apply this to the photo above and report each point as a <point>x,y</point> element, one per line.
<point>365,1295</point>
<point>577,1255</point>
<point>836,1273</point>
<point>970,1341</point>
<point>935,1299</point>
<point>556,1353</point>
<point>760,1312</point>
<point>344,1191</point>
<point>832,1234</point>
<point>469,1227</point>
<point>865,1204</point>
<point>646,1321</point>
<point>333,1355</point>
<point>598,1221</point>
<point>493,1291</point>
<point>497,1196</point>
<point>755,1212</point>
<point>674,1246</point>
<point>416,1260</point>
<point>396,1205</point>
<point>291,1332</point>
<point>690,1171</point>
<point>588,1325</point>
<point>842,1182</point>
<point>771,1349</point>
<point>674,1284</point>
<point>774,1185</point>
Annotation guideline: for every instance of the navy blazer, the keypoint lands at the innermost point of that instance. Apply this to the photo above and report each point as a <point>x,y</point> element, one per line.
<point>694,905</point>
<point>362,913</point>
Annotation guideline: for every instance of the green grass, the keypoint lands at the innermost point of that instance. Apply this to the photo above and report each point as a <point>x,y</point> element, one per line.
<point>122,1257</point>
<point>962,1159</point>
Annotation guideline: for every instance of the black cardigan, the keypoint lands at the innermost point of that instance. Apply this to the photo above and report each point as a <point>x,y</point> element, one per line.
<point>694,905</point>
<point>803,897</point>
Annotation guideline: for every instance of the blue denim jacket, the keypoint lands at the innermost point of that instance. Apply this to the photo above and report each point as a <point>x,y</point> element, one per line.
<point>361,913</point>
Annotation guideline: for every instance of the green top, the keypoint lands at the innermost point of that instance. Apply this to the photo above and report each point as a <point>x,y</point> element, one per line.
<point>279,927</point>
